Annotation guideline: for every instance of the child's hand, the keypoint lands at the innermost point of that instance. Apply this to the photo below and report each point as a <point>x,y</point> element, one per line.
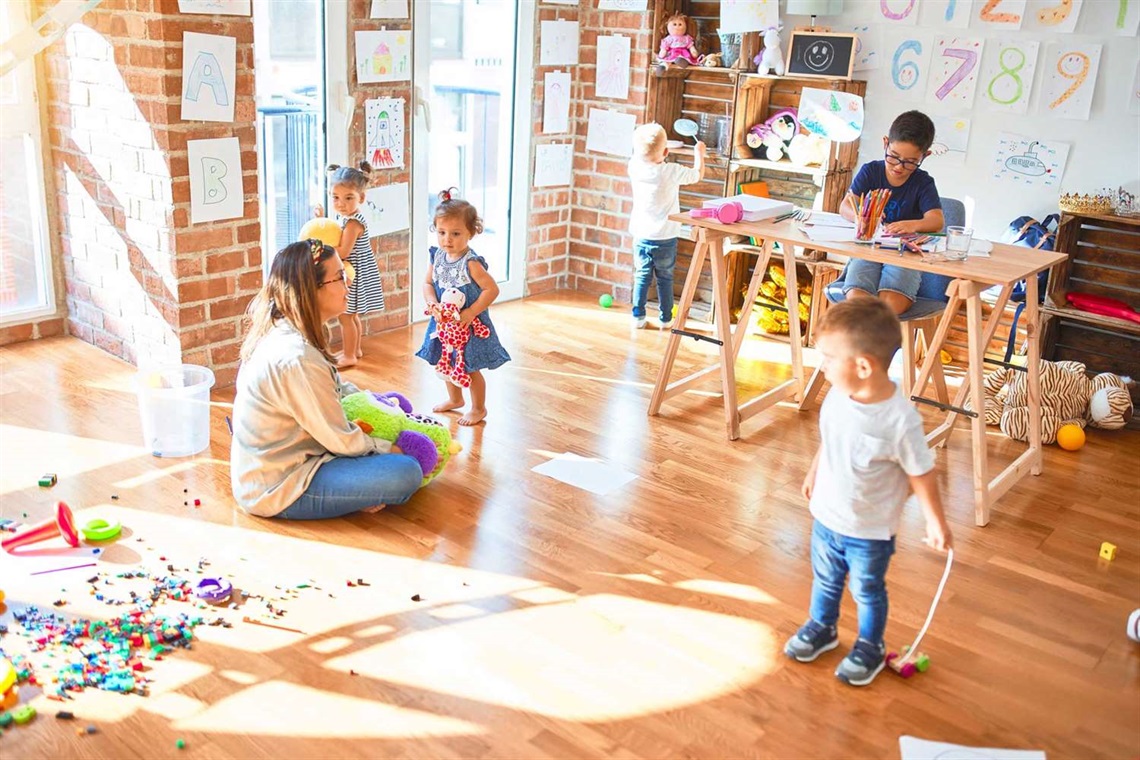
<point>808,485</point>
<point>318,211</point>
<point>701,148</point>
<point>938,535</point>
<point>901,228</point>
<point>466,317</point>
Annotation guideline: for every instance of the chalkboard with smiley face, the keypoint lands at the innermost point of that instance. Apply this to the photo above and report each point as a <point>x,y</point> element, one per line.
<point>821,54</point>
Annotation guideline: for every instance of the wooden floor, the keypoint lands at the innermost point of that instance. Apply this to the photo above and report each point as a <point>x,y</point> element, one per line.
<point>554,623</point>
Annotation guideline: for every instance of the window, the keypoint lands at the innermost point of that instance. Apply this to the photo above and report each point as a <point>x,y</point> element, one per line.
<point>25,281</point>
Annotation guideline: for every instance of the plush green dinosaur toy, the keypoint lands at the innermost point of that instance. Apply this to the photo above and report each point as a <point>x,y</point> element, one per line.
<point>389,416</point>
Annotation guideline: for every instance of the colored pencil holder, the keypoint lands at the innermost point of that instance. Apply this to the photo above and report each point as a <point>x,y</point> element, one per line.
<point>865,228</point>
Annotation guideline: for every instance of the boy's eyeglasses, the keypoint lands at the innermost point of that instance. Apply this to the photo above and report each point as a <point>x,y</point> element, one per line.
<point>906,164</point>
<point>343,275</point>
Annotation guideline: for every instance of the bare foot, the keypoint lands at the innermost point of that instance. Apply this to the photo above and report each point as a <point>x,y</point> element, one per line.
<point>359,354</point>
<point>448,406</point>
<point>345,363</point>
<point>376,508</point>
<point>474,417</point>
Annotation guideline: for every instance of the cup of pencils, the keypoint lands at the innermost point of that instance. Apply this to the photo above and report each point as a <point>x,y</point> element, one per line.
<point>869,209</point>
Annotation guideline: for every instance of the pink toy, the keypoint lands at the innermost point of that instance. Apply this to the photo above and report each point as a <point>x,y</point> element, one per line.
<point>913,661</point>
<point>678,47</point>
<point>61,525</point>
<point>453,336</point>
<point>730,212</point>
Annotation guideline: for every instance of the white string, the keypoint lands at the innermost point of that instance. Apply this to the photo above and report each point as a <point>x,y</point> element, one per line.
<point>913,651</point>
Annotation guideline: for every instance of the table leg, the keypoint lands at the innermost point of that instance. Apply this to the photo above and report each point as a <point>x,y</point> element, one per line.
<point>977,350</point>
<point>1033,337</point>
<point>792,300</point>
<point>744,323</point>
<point>700,252</point>
<point>723,325</point>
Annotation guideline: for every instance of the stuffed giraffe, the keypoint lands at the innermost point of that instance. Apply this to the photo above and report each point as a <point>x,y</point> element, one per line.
<point>453,336</point>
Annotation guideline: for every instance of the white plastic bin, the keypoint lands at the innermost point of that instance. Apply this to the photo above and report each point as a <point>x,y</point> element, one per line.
<point>174,401</point>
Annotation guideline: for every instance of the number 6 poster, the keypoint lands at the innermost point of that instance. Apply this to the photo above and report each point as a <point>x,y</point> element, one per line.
<point>1007,75</point>
<point>1068,80</point>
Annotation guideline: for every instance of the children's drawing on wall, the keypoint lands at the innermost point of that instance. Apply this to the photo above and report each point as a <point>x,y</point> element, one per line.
<point>553,165</point>
<point>1052,15</point>
<point>1000,14</point>
<point>215,179</point>
<point>901,12</point>
<point>1030,163</point>
<point>613,67</point>
<point>904,70</point>
<point>388,9</point>
<point>383,56</point>
<point>868,46</point>
<point>1134,93</point>
<point>386,208</point>
<point>954,71</point>
<point>384,132</point>
<point>622,5</point>
<point>1119,17</point>
<point>558,45</point>
<point>610,132</point>
<point>1007,75</point>
<point>208,77</point>
<point>955,14</point>
<point>215,7</point>
<point>748,15</point>
<point>832,114</point>
<point>951,137</point>
<point>1127,17</point>
<point>556,102</point>
<point>1069,79</point>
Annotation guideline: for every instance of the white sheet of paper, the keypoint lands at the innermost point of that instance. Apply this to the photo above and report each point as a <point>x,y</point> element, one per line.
<point>951,138</point>
<point>906,63</point>
<point>209,78</point>
<point>383,56</point>
<point>215,7</point>
<point>588,474</point>
<point>748,15</point>
<point>912,748</point>
<point>1069,80</point>
<point>553,165</point>
<point>868,46</point>
<point>384,132</point>
<point>613,67</point>
<point>215,179</point>
<point>1030,163</point>
<point>559,43</point>
<point>957,14</point>
<point>835,115</point>
<point>556,103</point>
<point>562,2</point>
<point>954,66</point>
<point>826,219</point>
<point>1052,15</point>
<point>829,234</point>
<point>388,9</point>
<point>610,132</point>
<point>1008,14</point>
<point>898,12</point>
<point>386,209</point>
<point>1134,93</point>
<point>1001,91</point>
<point>622,5</point>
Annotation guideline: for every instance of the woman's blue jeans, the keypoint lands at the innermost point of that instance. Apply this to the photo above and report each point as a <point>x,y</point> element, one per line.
<point>833,556</point>
<point>349,484</point>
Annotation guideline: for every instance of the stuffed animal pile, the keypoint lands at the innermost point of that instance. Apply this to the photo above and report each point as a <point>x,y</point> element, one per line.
<point>780,137</point>
<point>454,336</point>
<point>390,417</point>
<point>1068,396</point>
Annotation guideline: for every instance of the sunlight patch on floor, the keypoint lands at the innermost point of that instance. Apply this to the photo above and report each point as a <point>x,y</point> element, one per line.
<point>28,453</point>
<point>739,591</point>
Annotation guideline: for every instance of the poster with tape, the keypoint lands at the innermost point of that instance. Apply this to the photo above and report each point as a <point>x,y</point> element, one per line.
<point>1006,80</point>
<point>1053,15</point>
<point>384,132</point>
<point>954,68</point>
<point>868,46</point>
<point>1069,80</point>
<point>897,12</point>
<point>1030,163</point>
<point>208,77</point>
<point>999,14</point>
<point>906,65</point>
<point>215,179</point>
<point>951,138</point>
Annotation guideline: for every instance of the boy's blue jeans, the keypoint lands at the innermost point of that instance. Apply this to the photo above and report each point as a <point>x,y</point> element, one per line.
<point>833,556</point>
<point>349,484</point>
<point>654,258</point>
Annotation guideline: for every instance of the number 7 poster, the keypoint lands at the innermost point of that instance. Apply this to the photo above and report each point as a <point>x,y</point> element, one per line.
<point>1007,75</point>
<point>954,71</point>
<point>1068,80</point>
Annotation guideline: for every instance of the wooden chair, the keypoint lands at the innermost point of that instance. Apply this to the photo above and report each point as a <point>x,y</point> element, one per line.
<point>918,322</point>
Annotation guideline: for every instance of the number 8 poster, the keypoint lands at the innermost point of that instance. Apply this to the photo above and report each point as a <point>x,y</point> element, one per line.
<point>1006,80</point>
<point>1068,80</point>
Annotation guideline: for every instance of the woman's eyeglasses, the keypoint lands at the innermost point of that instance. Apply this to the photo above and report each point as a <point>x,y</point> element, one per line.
<point>906,164</point>
<point>343,275</point>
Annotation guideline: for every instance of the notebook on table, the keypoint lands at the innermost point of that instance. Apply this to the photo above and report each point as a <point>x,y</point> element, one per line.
<point>755,208</point>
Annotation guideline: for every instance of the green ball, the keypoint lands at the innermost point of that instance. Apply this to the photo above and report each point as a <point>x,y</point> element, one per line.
<point>181,744</point>
<point>605,300</point>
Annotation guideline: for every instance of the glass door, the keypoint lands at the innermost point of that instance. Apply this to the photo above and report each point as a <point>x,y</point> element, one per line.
<point>289,58</point>
<point>472,102</point>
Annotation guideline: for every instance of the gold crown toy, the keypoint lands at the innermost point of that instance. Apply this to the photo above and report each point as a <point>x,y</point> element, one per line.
<point>1073,203</point>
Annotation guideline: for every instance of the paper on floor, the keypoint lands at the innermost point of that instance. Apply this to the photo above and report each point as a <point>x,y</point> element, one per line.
<point>589,474</point>
<point>912,748</point>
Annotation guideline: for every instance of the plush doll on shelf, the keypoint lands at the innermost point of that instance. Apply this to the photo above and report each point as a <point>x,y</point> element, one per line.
<point>1068,396</point>
<point>712,60</point>
<point>454,336</point>
<point>770,140</point>
<point>808,150</point>
<point>771,58</point>
<point>389,416</point>
<point>677,46</point>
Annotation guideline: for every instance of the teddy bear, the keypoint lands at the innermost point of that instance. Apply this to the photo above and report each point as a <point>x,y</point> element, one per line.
<point>808,150</point>
<point>389,416</point>
<point>453,336</point>
<point>770,140</point>
<point>1068,396</point>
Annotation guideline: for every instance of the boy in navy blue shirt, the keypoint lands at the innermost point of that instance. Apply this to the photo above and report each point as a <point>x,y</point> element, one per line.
<point>913,207</point>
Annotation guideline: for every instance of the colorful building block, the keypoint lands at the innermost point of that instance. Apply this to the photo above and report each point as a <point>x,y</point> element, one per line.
<point>1108,551</point>
<point>48,480</point>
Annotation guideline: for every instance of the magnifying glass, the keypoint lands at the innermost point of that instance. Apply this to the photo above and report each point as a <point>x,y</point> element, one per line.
<point>686,128</point>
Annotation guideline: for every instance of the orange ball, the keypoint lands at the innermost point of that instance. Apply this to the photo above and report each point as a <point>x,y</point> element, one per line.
<point>1070,437</point>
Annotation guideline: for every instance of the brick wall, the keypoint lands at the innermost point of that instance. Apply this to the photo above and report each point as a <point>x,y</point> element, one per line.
<point>141,281</point>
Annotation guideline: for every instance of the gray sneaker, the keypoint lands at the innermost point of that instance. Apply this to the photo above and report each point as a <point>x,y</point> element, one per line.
<point>811,640</point>
<point>862,664</point>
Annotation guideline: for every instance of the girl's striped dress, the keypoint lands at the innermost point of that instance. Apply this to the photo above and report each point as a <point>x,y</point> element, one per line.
<point>367,291</point>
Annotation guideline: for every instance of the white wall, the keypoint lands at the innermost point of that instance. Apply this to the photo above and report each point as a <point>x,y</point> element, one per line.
<point>1104,151</point>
